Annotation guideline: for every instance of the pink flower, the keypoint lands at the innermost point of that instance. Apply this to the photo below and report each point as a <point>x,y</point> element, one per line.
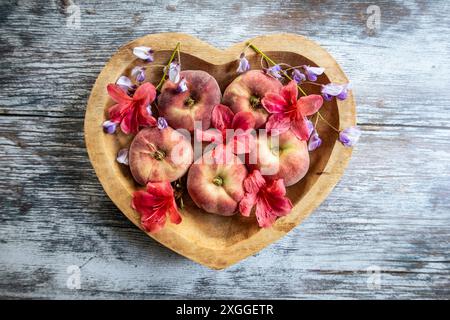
<point>154,204</point>
<point>290,113</point>
<point>269,196</point>
<point>132,112</point>
<point>238,126</point>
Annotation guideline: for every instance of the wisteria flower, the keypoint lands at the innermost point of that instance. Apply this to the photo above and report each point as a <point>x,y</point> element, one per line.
<point>238,126</point>
<point>138,73</point>
<point>144,53</point>
<point>162,123</point>
<point>314,141</point>
<point>155,204</point>
<point>122,156</point>
<point>340,91</point>
<point>131,112</point>
<point>126,84</point>
<point>174,72</point>
<point>109,127</point>
<point>269,197</point>
<point>313,72</point>
<point>289,113</point>
<point>350,136</point>
<point>244,65</point>
<point>182,86</point>
<point>274,71</point>
<point>297,76</point>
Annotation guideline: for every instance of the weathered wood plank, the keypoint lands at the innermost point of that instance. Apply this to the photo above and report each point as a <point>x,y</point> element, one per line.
<point>390,210</point>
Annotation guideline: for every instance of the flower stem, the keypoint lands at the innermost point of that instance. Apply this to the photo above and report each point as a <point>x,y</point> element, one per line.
<point>324,120</point>
<point>163,79</point>
<point>274,63</point>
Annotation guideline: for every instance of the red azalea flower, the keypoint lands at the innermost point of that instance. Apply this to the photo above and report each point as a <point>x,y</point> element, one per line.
<point>290,113</point>
<point>223,119</point>
<point>154,204</point>
<point>132,112</point>
<point>269,197</point>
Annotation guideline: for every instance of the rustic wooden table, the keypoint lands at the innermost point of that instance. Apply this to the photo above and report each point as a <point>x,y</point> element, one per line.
<point>384,231</point>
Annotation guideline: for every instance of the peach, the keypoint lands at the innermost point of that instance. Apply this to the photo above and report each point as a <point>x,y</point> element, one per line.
<point>159,155</point>
<point>217,187</point>
<point>247,90</point>
<point>288,159</point>
<point>181,109</point>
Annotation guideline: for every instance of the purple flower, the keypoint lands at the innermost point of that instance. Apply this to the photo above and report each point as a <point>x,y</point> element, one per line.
<point>298,76</point>
<point>122,156</point>
<point>125,83</point>
<point>313,72</point>
<point>339,91</point>
<point>144,53</point>
<point>149,110</point>
<point>350,136</point>
<point>182,86</point>
<point>174,72</point>
<point>244,65</point>
<point>314,141</point>
<point>310,127</point>
<point>139,73</point>
<point>109,127</point>
<point>162,123</point>
<point>274,71</point>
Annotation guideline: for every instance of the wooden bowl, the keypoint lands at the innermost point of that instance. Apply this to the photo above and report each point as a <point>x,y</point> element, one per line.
<point>211,240</point>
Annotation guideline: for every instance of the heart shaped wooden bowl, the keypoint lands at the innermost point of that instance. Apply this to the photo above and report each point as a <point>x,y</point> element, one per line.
<point>211,240</point>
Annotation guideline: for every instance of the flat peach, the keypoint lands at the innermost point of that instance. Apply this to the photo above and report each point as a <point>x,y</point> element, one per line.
<point>217,188</point>
<point>182,109</point>
<point>159,155</point>
<point>247,90</point>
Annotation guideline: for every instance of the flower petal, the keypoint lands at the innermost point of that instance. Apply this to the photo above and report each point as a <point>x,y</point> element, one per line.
<point>275,195</point>
<point>278,123</point>
<point>117,94</point>
<point>174,72</point>
<point>290,92</point>
<point>247,203</point>
<point>162,123</point>
<point>350,136</point>
<point>144,53</point>
<point>243,142</point>
<point>244,65</point>
<point>332,89</point>
<point>222,117</point>
<point>122,156</point>
<point>254,182</point>
<point>310,104</point>
<point>210,135</point>
<point>243,120</point>
<point>125,83</point>
<point>274,103</point>
<point>299,127</point>
<point>146,92</point>
<point>109,126</point>
<point>314,141</point>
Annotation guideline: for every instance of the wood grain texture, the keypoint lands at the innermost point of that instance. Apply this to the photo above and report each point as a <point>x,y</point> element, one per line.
<point>390,210</point>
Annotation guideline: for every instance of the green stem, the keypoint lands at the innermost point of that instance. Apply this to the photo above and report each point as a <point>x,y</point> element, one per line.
<point>329,124</point>
<point>274,63</point>
<point>166,68</point>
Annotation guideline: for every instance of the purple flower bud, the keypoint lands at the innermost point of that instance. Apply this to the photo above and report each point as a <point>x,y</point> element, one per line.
<point>244,65</point>
<point>350,136</point>
<point>122,156</point>
<point>144,53</point>
<point>182,86</point>
<point>174,72</point>
<point>109,127</point>
<point>139,73</point>
<point>274,71</point>
<point>314,141</point>
<point>298,76</point>
<point>313,72</point>
<point>125,83</point>
<point>162,123</point>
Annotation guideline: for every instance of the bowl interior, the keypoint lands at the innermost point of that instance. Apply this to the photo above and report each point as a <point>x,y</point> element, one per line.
<point>212,231</point>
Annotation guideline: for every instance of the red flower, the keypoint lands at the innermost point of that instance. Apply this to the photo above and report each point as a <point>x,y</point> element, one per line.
<point>269,197</point>
<point>239,127</point>
<point>290,113</point>
<point>154,204</point>
<point>131,112</point>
